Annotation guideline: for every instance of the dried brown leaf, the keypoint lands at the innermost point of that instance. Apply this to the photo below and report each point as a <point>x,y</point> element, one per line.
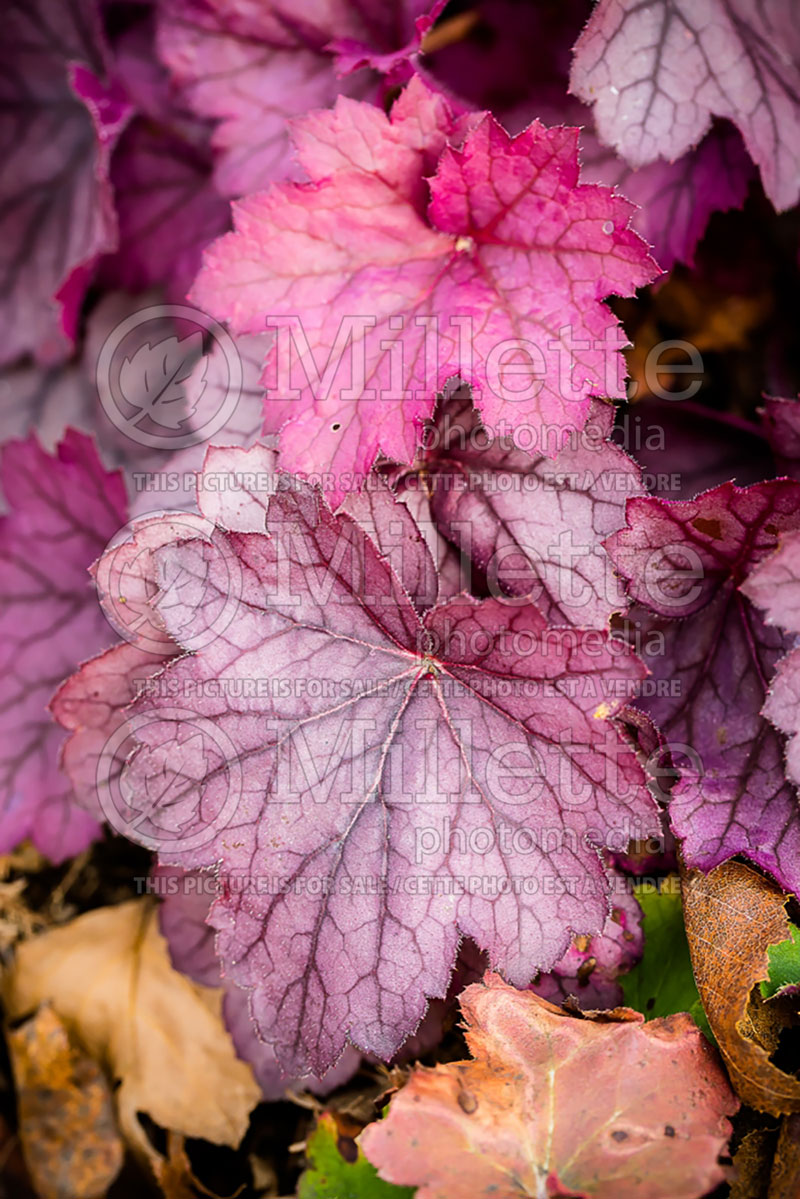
<point>732,915</point>
<point>109,977</point>
<point>66,1114</point>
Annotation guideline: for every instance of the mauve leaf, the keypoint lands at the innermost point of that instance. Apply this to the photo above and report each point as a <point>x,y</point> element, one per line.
<point>533,526</point>
<point>712,658</point>
<point>781,421</point>
<point>243,427</point>
<point>91,705</point>
<point>591,969</point>
<point>63,510</point>
<point>391,526</point>
<point>676,199</point>
<point>186,898</point>
<point>511,273</point>
<point>58,125</point>
<point>656,73</point>
<point>235,485</point>
<point>168,208</point>
<point>254,68</point>
<point>466,708</point>
<point>233,488</point>
<point>685,448</point>
<point>774,585</point>
<point>782,707</point>
<point>553,1105</point>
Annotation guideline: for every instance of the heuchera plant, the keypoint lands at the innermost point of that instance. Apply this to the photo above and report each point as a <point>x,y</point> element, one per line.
<point>418,649</point>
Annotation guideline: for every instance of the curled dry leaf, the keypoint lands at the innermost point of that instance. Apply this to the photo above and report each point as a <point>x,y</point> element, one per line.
<point>732,916</point>
<point>520,1118</point>
<point>109,978</point>
<point>66,1118</point>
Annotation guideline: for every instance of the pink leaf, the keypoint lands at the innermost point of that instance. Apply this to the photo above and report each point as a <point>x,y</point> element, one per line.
<point>589,969</point>
<point>532,526</point>
<point>58,126</point>
<point>348,739</point>
<point>235,485</point>
<point>712,658</point>
<point>393,529</point>
<point>781,421</point>
<point>184,910</point>
<point>676,199</point>
<point>499,279</point>
<point>530,1114</point>
<point>63,511</point>
<point>774,585</point>
<point>234,489</point>
<point>168,208</point>
<point>253,68</point>
<point>657,73</point>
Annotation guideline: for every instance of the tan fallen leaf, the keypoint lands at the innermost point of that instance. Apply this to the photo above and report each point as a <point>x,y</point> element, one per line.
<point>732,915</point>
<point>66,1114</point>
<point>108,976</point>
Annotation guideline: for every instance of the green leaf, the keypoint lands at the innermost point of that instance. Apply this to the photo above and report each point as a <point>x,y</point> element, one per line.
<point>333,1174</point>
<point>662,983</point>
<point>784,965</point>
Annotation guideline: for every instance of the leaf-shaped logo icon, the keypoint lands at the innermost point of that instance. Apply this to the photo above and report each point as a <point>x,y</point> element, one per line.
<point>165,381</point>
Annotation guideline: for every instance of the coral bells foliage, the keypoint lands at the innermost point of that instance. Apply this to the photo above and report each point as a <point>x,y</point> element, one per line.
<point>695,563</point>
<point>406,680</point>
<point>409,750</point>
<point>425,246</point>
<point>657,73</point>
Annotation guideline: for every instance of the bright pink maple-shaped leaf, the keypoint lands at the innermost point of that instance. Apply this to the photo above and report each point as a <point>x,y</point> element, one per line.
<point>494,271</point>
<point>384,781</point>
<point>515,61</point>
<point>532,526</point>
<point>253,67</point>
<point>589,969</point>
<point>63,511</point>
<point>657,73</point>
<point>686,561</point>
<point>58,124</point>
